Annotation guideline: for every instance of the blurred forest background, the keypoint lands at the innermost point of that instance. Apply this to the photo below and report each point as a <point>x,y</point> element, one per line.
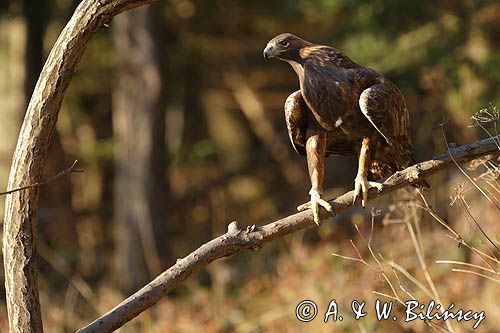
<point>177,120</point>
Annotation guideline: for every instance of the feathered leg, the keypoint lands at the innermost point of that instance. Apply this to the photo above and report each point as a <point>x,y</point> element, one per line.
<point>315,148</point>
<point>361,183</point>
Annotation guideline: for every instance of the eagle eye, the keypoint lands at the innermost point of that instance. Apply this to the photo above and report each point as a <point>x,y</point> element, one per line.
<point>284,43</point>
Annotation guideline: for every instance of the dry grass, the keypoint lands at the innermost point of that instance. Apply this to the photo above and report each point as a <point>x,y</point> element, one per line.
<point>396,255</point>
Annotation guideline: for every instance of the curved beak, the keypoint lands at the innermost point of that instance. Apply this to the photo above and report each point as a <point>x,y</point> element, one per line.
<point>269,52</point>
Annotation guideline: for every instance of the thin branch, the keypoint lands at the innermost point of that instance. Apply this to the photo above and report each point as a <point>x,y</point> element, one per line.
<point>238,239</point>
<point>370,249</point>
<point>471,217</point>
<point>411,278</point>
<point>346,257</point>
<point>475,273</point>
<point>465,173</point>
<point>454,235</point>
<point>63,173</point>
<point>394,298</point>
<point>466,264</point>
<point>427,276</point>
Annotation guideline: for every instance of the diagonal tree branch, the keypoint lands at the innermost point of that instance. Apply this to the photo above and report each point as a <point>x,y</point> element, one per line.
<point>19,237</point>
<point>237,239</point>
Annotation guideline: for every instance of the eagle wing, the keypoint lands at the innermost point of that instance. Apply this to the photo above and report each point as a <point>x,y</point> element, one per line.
<point>296,121</point>
<point>384,106</point>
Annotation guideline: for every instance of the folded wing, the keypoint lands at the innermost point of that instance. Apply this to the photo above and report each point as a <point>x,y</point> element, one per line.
<point>296,121</point>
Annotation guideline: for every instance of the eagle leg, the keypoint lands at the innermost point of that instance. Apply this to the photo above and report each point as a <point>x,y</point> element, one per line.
<point>315,149</point>
<point>361,183</point>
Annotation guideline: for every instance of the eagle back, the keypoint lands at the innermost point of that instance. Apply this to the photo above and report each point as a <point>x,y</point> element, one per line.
<point>329,84</point>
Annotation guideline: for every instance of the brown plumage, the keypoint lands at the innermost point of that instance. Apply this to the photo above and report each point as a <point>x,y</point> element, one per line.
<point>345,109</point>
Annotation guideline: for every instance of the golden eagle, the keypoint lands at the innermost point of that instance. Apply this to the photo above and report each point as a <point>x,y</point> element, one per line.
<point>342,108</point>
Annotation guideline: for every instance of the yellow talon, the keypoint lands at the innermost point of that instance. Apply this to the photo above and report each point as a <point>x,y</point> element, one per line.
<point>362,186</point>
<point>314,204</point>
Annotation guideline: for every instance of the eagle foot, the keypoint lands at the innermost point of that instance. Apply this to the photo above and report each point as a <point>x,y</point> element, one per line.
<point>314,204</point>
<point>362,186</point>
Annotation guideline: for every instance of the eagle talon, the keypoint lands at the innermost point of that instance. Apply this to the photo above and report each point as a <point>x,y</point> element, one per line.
<point>361,184</point>
<point>314,204</point>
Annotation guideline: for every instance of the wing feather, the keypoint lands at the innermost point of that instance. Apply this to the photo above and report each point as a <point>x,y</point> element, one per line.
<point>296,121</point>
<point>384,107</point>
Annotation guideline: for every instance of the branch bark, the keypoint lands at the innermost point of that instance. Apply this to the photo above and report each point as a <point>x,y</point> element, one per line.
<point>237,239</point>
<point>19,237</point>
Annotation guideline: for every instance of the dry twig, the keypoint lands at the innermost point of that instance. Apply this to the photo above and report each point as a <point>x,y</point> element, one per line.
<point>63,173</point>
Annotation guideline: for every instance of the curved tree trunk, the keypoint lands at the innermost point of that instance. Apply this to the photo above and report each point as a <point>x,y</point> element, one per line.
<point>20,224</point>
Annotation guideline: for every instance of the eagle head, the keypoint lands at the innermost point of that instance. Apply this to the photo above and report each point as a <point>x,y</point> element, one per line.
<point>285,47</point>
